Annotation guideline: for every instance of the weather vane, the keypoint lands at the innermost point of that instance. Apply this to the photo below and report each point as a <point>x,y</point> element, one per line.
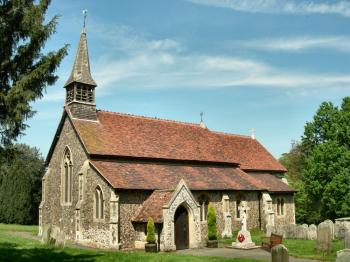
<point>85,15</point>
<point>202,114</point>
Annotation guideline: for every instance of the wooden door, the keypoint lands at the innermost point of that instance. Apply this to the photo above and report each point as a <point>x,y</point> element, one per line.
<point>181,228</point>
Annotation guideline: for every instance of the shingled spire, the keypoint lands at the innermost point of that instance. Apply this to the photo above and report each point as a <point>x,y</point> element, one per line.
<point>80,87</point>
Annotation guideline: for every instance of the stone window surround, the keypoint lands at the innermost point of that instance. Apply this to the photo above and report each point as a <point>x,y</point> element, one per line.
<point>280,206</point>
<point>98,190</point>
<point>63,188</point>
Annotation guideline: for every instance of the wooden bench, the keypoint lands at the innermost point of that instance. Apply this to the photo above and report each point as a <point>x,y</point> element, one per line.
<point>270,242</point>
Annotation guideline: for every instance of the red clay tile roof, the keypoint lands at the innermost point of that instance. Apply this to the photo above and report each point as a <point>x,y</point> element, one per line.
<point>118,134</point>
<point>152,207</point>
<point>271,183</point>
<point>153,176</point>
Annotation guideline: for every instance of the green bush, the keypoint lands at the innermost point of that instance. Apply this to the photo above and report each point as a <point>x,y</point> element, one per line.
<point>150,231</point>
<point>211,219</point>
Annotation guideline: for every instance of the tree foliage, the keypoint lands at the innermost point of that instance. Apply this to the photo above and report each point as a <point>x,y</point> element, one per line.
<point>21,170</point>
<point>151,239</point>
<point>320,170</point>
<point>25,70</point>
<point>211,220</point>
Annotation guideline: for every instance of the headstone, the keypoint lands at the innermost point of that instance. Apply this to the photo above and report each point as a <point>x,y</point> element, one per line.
<point>324,236</point>
<point>60,239</point>
<point>243,239</point>
<point>301,231</point>
<point>347,239</point>
<point>343,255</point>
<point>312,232</point>
<point>279,253</point>
<point>341,226</point>
<point>47,238</point>
<point>331,225</point>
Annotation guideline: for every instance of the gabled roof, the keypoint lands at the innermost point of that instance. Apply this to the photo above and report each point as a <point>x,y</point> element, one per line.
<point>81,69</point>
<point>117,134</point>
<point>153,176</point>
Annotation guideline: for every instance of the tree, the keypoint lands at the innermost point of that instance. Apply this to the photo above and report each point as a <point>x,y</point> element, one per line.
<point>21,170</point>
<point>24,70</point>
<point>211,218</point>
<point>319,166</point>
<point>151,239</point>
<point>294,161</point>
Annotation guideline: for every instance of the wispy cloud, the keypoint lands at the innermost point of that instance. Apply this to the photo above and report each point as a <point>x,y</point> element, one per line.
<point>281,6</point>
<point>292,44</point>
<point>134,60</point>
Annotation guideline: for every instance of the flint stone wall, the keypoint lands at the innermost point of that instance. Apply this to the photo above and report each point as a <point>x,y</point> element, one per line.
<point>62,216</point>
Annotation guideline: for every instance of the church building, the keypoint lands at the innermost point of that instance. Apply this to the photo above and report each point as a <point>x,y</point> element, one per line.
<point>108,172</point>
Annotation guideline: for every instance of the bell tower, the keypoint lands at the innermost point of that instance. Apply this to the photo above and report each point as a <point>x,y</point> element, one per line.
<point>80,87</point>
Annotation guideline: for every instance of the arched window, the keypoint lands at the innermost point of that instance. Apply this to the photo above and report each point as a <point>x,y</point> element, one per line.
<point>99,208</point>
<point>280,206</point>
<point>203,202</point>
<point>67,176</point>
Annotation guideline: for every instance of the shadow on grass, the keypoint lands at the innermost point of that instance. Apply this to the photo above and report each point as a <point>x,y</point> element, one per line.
<point>11,252</point>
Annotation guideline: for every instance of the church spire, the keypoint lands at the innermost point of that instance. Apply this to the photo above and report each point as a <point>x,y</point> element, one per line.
<point>81,69</point>
<point>80,86</point>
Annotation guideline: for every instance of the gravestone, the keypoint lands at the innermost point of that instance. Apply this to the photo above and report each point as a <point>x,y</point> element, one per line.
<point>312,232</point>
<point>331,225</point>
<point>347,240</point>
<point>279,253</point>
<point>343,255</point>
<point>243,239</point>
<point>324,236</point>
<point>341,226</point>
<point>301,231</point>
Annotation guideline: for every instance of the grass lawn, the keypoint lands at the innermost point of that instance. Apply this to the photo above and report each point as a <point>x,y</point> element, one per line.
<point>18,243</point>
<point>296,247</point>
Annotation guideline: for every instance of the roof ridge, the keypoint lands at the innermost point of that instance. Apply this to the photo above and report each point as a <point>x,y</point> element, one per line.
<point>230,134</point>
<point>150,118</point>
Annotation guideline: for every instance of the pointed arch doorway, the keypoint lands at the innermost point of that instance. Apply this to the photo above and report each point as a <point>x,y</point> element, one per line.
<point>181,228</point>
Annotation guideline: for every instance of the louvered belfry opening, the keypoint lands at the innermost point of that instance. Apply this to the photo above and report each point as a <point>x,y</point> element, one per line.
<point>80,86</point>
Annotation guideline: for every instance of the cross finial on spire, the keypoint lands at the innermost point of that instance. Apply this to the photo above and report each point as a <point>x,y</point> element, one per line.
<point>202,121</point>
<point>85,15</point>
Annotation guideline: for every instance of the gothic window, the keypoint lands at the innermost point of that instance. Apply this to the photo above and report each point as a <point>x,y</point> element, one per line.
<point>99,202</point>
<point>280,206</point>
<point>203,202</point>
<point>67,177</point>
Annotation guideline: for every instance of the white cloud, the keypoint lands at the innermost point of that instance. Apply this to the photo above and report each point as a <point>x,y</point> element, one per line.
<point>281,6</point>
<point>338,43</point>
<point>133,60</point>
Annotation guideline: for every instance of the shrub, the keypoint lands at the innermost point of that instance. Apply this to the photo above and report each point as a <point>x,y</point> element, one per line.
<point>150,231</point>
<point>211,219</point>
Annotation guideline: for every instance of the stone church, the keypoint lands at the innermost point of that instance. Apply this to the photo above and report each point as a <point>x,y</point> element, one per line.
<point>108,172</point>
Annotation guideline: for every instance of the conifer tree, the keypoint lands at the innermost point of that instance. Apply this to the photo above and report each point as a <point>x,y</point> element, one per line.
<point>211,220</point>
<point>25,70</point>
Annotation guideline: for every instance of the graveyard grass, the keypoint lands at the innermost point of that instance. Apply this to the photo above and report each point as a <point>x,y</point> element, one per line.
<point>296,247</point>
<point>19,243</point>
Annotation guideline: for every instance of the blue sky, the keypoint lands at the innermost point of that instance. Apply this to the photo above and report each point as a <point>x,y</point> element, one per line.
<point>262,64</point>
